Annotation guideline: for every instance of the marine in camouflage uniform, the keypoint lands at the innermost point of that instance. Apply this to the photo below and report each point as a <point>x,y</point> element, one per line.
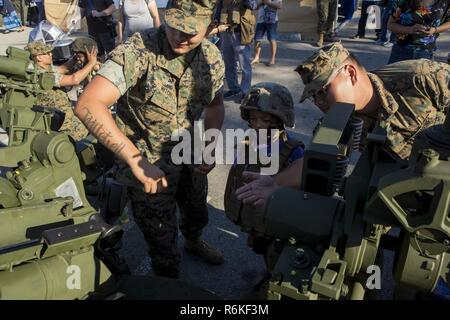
<point>326,10</point>
<point>414,94</point>
<point>163,92</point>
<point>56,98</point>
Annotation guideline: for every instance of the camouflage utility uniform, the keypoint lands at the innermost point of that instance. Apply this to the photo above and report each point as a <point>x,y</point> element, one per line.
<point>162,93</point>
<point>56,98</point>
<point>326,10</point>
<point>414,94</point>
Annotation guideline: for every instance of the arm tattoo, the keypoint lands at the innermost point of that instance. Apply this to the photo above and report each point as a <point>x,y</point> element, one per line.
<point>101,133</point>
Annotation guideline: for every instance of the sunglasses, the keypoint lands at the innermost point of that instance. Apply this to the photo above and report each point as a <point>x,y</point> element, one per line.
<point>322,93</point>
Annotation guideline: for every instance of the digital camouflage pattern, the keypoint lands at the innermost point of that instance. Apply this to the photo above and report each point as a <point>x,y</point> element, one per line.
<point>189,16</point>
<point>414,95</point>
<point>163,93</point>
<point>59,100</point>
<point>326,10</point>
<point>271,98</point>
<point>38,47</point>
<point>318,69</point>
<point>156,215</point>
<point>148,75</point>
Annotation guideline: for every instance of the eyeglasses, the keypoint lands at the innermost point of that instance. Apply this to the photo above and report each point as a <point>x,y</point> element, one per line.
<point>322,93</point>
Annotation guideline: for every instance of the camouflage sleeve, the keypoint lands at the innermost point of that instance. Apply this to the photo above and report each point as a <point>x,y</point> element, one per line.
<point>113,72</point>
<point>433,83</point>
<point>132,57</point>
<point>58,77</point>
<point>217,69</point>
<point>219,78</point>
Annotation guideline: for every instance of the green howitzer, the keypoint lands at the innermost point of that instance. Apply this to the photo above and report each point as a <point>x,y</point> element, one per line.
<point>53,243</point>
<point>331,234</point>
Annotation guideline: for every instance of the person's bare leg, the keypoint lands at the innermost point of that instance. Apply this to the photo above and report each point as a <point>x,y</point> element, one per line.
<point>273,50</point>
<point>257,52</point>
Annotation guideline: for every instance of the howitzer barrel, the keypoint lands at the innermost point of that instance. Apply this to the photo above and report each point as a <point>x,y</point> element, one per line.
<point>59,277</point>
<point>16,67</point>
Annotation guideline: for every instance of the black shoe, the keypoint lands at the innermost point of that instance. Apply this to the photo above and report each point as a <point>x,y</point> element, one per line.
<point>358,36</point>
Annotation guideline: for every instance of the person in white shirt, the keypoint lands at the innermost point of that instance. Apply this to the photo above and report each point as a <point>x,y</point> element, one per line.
<point>136,16</point>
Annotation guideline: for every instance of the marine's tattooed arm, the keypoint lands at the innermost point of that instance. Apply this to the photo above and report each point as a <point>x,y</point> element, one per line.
<point>102,134</point>
<point>92,109</point>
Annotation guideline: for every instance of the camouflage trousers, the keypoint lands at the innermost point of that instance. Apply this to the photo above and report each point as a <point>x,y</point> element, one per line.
<point>327,11</point>
<point>157,219</point>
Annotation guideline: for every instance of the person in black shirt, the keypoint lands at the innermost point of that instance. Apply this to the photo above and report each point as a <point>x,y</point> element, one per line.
<point>100,23</point>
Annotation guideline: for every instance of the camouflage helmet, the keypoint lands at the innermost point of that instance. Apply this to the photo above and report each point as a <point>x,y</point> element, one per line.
<point>189,16</point>
<point>82,43</point>
<point>271,98</point>
<point>317,70</point>
<point>37,48</point>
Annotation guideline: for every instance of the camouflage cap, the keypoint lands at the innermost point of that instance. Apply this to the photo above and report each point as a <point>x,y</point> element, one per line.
<point>82,43</point>
<point>189,16</point>
<point>38,47</point>
<point>317,69</point>
<point>271,98</point>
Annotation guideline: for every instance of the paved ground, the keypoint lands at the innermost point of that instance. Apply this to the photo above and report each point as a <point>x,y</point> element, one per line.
<point>242,268</point>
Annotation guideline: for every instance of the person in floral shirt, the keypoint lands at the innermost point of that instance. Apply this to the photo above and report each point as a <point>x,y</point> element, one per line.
<point>417,24</point>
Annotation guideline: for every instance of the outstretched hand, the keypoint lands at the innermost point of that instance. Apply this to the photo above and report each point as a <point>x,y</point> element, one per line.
<point>91,55</point>
<point>257,190</point>
<point>152,177</point>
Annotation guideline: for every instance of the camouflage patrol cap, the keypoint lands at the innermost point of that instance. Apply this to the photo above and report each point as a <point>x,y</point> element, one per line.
<point>82,43</point>
<point>189,16</point>
<point>317,69</point>
<point>38,47</point>
<point>271,98</point>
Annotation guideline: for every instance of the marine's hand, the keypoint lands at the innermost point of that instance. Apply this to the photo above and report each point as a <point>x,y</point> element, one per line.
<point>91,55</point>
<point>257,190</point>
<point>152,177</point>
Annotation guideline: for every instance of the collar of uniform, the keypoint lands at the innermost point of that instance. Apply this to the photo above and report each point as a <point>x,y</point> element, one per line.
<point>388,104</point>
<point>173,63</point>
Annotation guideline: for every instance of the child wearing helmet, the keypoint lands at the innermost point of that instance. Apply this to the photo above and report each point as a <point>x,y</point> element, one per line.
<point>266,106</point>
